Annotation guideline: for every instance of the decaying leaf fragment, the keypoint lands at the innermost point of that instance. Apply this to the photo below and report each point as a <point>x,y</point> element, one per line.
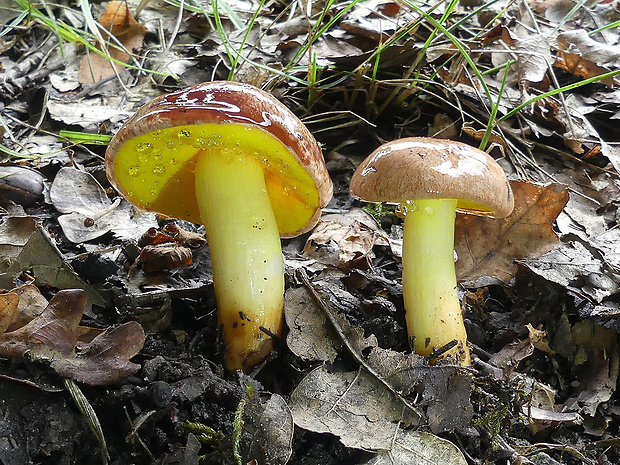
<point>53,337</point>
<point>419,448</point>
<point>489,246</point>
<point>597,353</point>
<point>309,334</point>
<point>353,406</point>
<point>15,231</point>
<point>267,430</point>
<point>88,213</point>
<point>588,267</point>
<point>8,309</point>
<point>342,240</point>
<point>510,356</point>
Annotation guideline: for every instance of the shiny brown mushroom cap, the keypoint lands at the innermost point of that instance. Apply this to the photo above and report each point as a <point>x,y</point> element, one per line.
<point>425,168</point>
<point>152,165</point>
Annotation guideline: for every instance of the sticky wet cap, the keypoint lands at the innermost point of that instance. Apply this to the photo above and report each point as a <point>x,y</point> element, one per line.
<point>425,168</point>
<point>151,160</point>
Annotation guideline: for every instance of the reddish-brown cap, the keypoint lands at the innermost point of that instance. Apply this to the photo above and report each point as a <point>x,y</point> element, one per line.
<point>152,165</point>
<point>426,168</point>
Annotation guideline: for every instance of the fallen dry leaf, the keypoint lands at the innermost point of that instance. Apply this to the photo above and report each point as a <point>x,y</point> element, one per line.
<point>88,213</point>
<point>41,259</point>
<point>53,338</point>
<point>585,57</point>
<point>343,240</point>
<point>589,266</point>
<point>353,406</point>
<point>510,356</point>
<point>267,434</point>
<point>420,448</point>
<point>15,231</point>
<point>598,355</point>
<point>117,19</point>
<point>309,336</point>
<point>165,256</point>
<point>580,66</point>
<point>8,309</point>
<point>487,247</point>
<point>31,304</point>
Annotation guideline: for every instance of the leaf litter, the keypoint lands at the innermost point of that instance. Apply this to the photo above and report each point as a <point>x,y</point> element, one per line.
<point>53,337</point>
<point>541,288</point>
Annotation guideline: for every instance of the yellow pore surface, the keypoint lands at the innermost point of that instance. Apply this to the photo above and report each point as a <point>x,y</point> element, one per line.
<point>156,171</point>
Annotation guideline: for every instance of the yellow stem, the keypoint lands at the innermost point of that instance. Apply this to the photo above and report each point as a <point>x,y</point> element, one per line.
<point>432,306</point>
<point>246,254</point>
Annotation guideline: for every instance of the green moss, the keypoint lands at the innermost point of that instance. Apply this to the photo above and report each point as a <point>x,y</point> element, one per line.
<point>380,210</point>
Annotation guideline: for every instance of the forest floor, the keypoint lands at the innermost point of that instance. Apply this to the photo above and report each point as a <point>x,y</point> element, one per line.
<point>110,355</point>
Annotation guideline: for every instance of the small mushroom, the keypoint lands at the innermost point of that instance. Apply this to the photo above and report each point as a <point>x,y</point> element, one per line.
<point>430,180</point>
<point>235,159</point>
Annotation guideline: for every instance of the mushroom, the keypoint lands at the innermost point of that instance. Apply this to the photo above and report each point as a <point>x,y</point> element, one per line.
<point>232,157</point>
<point>431,179</point>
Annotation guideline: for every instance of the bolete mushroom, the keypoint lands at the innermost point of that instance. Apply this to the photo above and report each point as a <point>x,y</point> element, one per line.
<point>232,157</point>
<point>431,179</point>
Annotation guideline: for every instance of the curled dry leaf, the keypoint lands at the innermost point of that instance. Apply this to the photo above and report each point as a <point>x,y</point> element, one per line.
<point>489,246</point>
<point>53,338</point>
<point>164,257</point>
<point>510,356</point>
<point>184,237</point>
<point>153,237</point>
<point>342,240</point>
<point>172,232</point>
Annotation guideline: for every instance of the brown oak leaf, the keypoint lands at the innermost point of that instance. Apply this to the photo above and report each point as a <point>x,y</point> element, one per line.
<point>53,337</point>
<point>118,20</point>
<point>489,246</point>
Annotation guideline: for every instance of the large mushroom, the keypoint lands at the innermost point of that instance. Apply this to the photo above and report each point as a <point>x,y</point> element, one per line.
<point>232,157</point>
<point>430,180</point>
